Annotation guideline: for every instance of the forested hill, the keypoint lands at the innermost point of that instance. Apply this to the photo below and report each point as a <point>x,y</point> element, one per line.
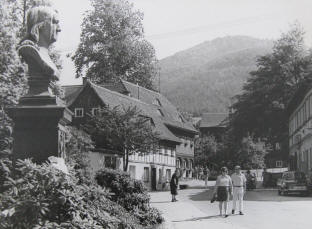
<point>205,77</point>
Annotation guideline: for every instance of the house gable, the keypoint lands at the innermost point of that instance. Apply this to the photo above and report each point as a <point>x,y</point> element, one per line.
<point>87,99</point>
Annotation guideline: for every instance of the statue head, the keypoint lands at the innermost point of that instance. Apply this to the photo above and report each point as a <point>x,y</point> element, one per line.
<point>42,25</point>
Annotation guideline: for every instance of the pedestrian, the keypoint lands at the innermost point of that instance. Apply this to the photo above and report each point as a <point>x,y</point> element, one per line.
<point>174,186</point>
<point>196,173</point>
<point>310,178</point>
<point>223,189</point>
<point>239,188</point>
<point>206,175</point>
<point>201,173</point>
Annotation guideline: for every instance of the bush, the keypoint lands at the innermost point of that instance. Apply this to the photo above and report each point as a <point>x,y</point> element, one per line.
<point>78,145</point>
<point>39,196</point>
<point>129,193</point>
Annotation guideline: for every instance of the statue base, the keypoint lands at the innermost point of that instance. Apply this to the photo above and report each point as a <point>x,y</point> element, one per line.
<point>39,127</point>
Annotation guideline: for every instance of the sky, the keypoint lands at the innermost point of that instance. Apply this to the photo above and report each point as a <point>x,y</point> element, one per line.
<point>174,25</point>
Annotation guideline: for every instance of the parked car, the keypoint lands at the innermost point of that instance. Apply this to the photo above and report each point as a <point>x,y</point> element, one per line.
<point>271,179</point>
<point>293,182</point>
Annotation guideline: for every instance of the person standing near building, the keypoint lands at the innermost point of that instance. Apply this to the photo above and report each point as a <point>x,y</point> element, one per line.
<point>223,189</point>
<point>201,173</point>
<point>174,182</point>
<point>206,175</point>
<point>239,188</point>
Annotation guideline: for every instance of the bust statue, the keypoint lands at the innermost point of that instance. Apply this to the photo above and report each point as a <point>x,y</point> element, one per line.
<point>42,30</point>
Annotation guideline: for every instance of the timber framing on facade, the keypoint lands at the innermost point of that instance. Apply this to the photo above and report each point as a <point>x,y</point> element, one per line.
<point>176,135</point>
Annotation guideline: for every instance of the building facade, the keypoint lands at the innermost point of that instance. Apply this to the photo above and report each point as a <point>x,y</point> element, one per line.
<point>213,124</point>
<point>155,169</point>
<point>300,130</point>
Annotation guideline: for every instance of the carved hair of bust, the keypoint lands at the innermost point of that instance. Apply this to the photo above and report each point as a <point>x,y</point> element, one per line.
<point>39,17</point>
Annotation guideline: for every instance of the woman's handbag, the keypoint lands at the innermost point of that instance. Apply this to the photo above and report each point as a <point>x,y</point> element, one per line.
<point>214,198</point>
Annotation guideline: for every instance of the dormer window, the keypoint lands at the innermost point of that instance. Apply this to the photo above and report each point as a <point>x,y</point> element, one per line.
<point>157,102</point>
<point>160,113</point>
<point>78,112</point>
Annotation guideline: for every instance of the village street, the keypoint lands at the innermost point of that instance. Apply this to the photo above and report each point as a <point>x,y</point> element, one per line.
<point>263,209</point>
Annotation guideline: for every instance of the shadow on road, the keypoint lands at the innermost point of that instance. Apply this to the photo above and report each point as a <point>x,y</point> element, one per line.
<point>160,202</point>
<point>198,218</point>
<point>256,195</point>
<point>201,195</point>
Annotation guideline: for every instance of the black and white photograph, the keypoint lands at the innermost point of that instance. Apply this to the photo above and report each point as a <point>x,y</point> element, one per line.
<point>155,114</point>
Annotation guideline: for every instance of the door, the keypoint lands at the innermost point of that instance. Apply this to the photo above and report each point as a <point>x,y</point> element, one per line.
<point>153,176</point>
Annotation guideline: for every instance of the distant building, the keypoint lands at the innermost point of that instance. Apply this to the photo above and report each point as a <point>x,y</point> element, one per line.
<point>213,124</point>
<point>300,129</point>
<point>176,135</point>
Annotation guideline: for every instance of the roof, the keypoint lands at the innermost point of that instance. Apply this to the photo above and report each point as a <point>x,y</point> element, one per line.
<point>213,120</point>
<point>71,92</point>
<point>297,98</point>
<point>113,98</point>
<point>171,115</point>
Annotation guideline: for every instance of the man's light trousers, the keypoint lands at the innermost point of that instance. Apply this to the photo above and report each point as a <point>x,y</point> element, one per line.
<point>238,195</point>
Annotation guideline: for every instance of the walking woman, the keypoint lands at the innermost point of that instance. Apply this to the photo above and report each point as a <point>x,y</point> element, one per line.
<point>223,189</point>
<point>174,186</point>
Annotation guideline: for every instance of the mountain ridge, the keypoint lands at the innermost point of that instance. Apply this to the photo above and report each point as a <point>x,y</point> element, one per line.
<point>197,79</point>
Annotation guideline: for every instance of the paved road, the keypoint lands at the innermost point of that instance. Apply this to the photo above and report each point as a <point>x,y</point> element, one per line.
<point>263,209</point>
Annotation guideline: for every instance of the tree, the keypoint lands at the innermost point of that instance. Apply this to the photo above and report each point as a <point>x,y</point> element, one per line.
<point>260,111</point>
<point>12,71</point>
<point>252,154</point>
<point>112,45</point>
<point>208,151</point>
<point>205,148</point>
<point>123,131</point>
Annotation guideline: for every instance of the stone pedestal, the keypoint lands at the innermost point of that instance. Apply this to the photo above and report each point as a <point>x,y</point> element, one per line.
<point>40,117</point>
<point>39,128</point>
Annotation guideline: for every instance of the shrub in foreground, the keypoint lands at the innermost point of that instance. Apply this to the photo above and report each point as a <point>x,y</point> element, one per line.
<point>39,196</point>
<point>129,193</point>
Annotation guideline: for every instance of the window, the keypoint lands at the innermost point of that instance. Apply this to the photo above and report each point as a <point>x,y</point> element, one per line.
<point>157,102</point>
<point>172,153</point>
<point>95,111</point>
<point>110,162</point>
<point>178,165</point>
<point>186,143</point>
<point>146,174</point>
<point>279,164</point>
<point>160,113</point>
<point>132,171</point>
<point>168,174</point>
<point>78,112</point>
<point>160,176</point>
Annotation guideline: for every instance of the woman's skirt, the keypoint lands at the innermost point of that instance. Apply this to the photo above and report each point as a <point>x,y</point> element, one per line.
<point>174,189</point>
<point>223,193</point>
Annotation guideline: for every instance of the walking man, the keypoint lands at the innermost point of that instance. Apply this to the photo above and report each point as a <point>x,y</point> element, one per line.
<point>239,188</point>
